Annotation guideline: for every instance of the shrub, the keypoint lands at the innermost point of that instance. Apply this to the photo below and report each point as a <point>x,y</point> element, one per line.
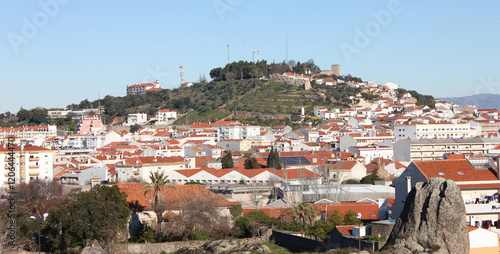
<point>199,235</point>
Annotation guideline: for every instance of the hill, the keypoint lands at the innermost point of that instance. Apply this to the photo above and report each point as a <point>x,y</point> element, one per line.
<point>218,99</point>
<point>480,100</point>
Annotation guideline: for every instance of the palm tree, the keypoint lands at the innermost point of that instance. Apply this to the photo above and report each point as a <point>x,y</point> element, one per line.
<point>158,181</point>
<point>304,213</point>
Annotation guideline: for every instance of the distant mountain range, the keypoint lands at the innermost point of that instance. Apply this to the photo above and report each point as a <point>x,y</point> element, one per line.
<point>480,100</point>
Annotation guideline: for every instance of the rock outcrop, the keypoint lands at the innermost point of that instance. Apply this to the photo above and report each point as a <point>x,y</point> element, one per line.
<point>433,221</point>
<point>305,83</point>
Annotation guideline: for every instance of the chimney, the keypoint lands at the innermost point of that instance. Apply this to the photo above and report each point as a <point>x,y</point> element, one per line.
<point>408,184</point>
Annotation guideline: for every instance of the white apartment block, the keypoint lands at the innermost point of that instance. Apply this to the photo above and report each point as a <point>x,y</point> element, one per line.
<point>29,132</point>
<point>318,110</point>
<point>432,131</point>
<point>137,118</point>
<point>87,141</point>
<point>29,162</point>
<point>165,117</point>
<point>433,149</point>
<point>237,131</point>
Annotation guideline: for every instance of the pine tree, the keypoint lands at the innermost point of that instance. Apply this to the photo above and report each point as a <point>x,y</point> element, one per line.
<point>270,158</point>
<point>277,163</point>
<point>273,161</point>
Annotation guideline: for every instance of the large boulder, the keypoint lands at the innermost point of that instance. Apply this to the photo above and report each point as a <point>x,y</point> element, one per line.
<point>305,83</point>
<point>433,221</point>
<point>225,247</point>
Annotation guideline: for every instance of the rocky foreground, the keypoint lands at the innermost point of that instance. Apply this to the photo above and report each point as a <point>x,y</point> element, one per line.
<point>431,222</point>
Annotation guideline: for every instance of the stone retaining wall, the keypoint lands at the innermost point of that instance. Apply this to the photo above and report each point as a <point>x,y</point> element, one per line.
<point>171,247</point>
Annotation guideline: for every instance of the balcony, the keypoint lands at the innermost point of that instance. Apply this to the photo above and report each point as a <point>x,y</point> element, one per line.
<point>490,208</point>
<point>34,159</point>
<point>34,174</point>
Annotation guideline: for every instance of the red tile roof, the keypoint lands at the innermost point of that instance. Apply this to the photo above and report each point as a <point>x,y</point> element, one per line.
<point>368,211</point>
<point>345,230</point>
<point>27,147</point>
<point>479,186</point>
<point>471,228</point>
<point>273,212</point>
<point>153,160</point>
<point>177,196</point>
<point>294,173</point>
<point>456,170</point>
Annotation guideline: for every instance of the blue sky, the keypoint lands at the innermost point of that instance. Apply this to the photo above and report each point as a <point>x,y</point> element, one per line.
<point>57,52</point>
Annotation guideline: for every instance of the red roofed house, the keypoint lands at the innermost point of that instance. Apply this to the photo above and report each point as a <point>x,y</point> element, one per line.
<point>165,117</point>
<point>143,88</point>
<point>178,197</point>
<point>477,179</point>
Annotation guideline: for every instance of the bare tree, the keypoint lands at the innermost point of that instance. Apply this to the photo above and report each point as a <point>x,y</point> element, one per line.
<point>230,75</point>
<point>199,215</point>
<point>40,196</point>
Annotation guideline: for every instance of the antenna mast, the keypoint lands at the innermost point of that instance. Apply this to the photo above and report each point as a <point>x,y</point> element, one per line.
<point>227,45</point>
<point>253,56</point>
<point>258,58</point>
<point>286,61</point>
<point>182,73</point>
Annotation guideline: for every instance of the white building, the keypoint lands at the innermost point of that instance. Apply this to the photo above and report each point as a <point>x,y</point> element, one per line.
<point>357,139</point>
<point>142,88</point>
<point>318,110</point>
<point>86,141</point>
<point>165,117</point>
<point>137,118</point>
<point>391,86</point>
<point>430,149</point>
<point>29,163</point>
<point>431,131</point>
<point>482,241</point>
<point>29,132</point>
<point>237,131</point>
<point>140,168</point>
<point>372,152</point>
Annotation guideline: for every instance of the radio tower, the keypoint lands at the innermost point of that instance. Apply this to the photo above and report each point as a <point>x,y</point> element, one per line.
<point>227,45</point>
<point>182,73</point>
